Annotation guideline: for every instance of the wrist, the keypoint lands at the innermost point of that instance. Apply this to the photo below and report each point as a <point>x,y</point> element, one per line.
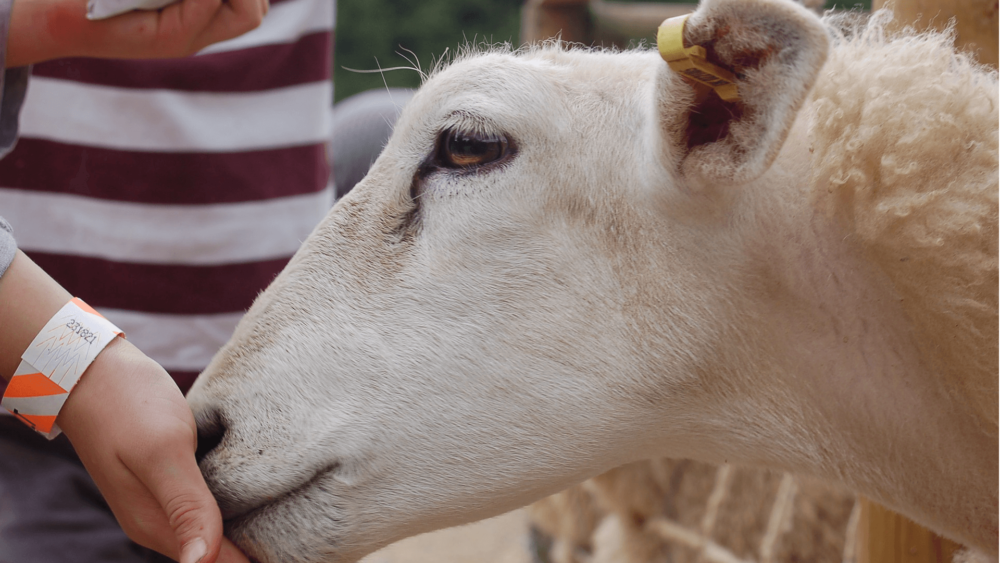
<point>54,363</point>
<point>97,383</point>
<point>122,384</point>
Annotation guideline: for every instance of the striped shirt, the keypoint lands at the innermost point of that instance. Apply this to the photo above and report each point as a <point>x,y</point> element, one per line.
<point>169,193</point>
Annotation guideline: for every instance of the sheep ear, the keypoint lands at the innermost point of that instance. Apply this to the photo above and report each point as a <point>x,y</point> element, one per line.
<point>741,71</point>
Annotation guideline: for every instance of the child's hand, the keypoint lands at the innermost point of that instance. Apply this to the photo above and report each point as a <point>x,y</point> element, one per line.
<point>136,436</point>
<point>48,29</point>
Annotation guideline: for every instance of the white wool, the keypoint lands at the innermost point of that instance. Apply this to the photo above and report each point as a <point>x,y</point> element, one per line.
<point>904,130</point>
<point>972,556</point>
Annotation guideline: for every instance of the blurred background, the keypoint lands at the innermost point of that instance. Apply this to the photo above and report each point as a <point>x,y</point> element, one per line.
<point>372,33</point>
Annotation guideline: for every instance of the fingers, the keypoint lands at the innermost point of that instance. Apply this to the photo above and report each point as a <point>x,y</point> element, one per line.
<point>181,25</point>
<point>170,32</point>
<point>193,16</point>
<point>230,553</point>
<point>136,436</point>
<point>47,29</point>
<point>234,18</point>
<point>194,551</point>
<point>178,30</point>
<point>192,513</point>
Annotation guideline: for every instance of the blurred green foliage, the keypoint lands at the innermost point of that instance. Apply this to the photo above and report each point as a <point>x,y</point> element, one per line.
<point>848,4</point>
<point>373,33</point>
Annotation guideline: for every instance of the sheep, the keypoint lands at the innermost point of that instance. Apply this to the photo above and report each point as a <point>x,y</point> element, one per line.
<point>567,260</point>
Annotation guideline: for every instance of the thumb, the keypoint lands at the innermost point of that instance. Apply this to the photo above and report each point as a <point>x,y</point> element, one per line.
<point>177,485</point>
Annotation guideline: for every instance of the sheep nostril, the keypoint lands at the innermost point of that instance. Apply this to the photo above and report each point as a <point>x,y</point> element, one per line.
<point>210,434</point>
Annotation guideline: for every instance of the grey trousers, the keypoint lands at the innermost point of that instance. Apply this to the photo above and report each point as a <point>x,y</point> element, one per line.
<point>51,510</point>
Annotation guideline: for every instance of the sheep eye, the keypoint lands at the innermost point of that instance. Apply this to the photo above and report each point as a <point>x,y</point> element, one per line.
<point>467,150</point>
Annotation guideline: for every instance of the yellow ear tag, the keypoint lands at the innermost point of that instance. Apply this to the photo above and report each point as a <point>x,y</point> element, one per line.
<point>691,61</point>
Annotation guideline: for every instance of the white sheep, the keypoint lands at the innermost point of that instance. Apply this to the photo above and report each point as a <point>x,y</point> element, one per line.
<point>564,261</point>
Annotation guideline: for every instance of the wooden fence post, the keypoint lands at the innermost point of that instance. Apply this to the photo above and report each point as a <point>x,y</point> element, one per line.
<point>542,19</point>
<point>976,21</point>
<point>887,537</point>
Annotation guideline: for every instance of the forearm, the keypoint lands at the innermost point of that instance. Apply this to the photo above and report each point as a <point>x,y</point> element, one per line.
<point>130,426</point>
<point>28,299</point>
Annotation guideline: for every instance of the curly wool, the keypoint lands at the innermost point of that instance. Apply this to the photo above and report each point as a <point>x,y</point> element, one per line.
<point>904,133</point>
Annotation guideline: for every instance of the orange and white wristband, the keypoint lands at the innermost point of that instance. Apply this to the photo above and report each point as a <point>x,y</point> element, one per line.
<point>53,364</point>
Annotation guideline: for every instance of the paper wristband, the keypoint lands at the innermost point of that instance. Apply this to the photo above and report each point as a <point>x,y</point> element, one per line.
<point>54,363</point>
<point>100,9</point>
<point>692,61</point>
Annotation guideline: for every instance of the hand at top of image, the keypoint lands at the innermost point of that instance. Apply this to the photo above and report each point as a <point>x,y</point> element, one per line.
<point>41,30</point>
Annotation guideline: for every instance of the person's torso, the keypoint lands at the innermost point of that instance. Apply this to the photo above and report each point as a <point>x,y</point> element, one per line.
<point>169,193</point>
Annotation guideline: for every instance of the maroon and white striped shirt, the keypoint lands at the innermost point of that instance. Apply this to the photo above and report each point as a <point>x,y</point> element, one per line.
<point>169,193</point>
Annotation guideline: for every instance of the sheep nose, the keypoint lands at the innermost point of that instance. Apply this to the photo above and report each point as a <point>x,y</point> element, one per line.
<point>211,431</point>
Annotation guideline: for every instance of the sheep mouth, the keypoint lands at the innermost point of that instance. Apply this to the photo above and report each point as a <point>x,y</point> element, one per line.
<point>253,529</point>
<point>232,517</point>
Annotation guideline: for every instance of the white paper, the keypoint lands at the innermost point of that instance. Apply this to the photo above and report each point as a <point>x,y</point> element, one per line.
<point>60,352</point>
<point>100,9</point>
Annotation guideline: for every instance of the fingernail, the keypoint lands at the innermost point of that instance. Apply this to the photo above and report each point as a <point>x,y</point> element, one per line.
<point>193,551</point>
